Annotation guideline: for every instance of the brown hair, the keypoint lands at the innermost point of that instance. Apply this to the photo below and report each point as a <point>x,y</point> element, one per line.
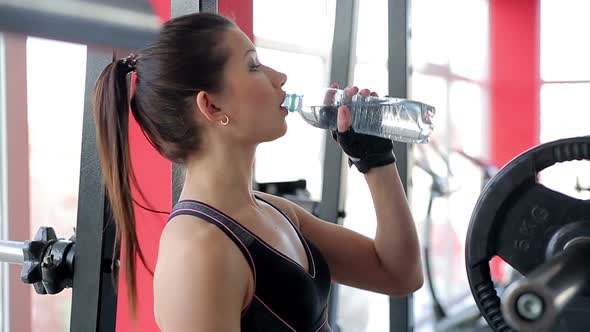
<point>188,57</point>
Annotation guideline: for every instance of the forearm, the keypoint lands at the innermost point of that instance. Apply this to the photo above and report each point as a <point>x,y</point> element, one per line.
<point>396,240</point>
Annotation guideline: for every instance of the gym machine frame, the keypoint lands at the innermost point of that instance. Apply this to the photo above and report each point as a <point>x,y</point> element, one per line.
<point>48,262</point>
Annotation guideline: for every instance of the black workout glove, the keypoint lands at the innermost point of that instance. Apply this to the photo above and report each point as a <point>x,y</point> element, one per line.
<point>365,151</point>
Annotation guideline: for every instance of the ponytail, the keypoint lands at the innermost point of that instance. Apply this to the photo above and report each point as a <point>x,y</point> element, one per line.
<point>170,72</point>
<point>111,118</point>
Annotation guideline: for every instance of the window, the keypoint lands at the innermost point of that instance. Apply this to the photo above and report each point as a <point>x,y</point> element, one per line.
<point>564,110</point>
<point>564,30</point>
<point>449,60</point>
<point>55,96</point>
<point>565,88</point>
<point>301,49</point>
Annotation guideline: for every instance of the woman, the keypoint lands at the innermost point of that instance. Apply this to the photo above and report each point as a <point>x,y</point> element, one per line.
<point>232,259</point>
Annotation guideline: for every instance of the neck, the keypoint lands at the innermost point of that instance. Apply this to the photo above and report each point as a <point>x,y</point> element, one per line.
<point>221,176</point>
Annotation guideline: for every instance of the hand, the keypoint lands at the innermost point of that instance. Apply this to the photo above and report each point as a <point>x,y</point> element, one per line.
<point>363,151</point>
<point>344,117</point>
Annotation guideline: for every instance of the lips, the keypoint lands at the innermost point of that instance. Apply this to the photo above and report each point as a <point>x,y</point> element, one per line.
<point>283,99</point>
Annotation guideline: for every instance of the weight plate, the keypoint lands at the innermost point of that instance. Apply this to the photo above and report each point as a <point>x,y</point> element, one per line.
<point>515,218</point>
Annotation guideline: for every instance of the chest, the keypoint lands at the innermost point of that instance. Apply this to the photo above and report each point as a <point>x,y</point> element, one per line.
<point>275,231</point>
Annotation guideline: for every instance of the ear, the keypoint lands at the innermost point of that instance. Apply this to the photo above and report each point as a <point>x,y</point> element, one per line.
<point>206,106</point>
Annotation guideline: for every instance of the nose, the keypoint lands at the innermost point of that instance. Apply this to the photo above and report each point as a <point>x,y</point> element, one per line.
<point>279,78</point>
<point>282,78</point>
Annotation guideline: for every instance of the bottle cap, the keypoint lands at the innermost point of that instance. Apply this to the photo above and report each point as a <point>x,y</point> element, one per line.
<point>293,102</point>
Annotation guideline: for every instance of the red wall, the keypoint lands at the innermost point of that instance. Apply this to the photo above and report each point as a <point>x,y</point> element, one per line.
<point>241,12</point>
<point>514,83</point>
<point>514,78</point>
<point>154,178</point>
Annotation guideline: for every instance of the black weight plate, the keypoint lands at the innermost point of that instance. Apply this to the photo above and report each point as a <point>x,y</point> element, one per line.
<point>515,218</point>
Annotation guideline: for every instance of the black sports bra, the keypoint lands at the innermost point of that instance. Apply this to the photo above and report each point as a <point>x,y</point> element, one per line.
<point>286,297</point>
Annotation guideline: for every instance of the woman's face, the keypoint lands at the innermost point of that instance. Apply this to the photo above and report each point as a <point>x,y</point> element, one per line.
<point>252,93</point>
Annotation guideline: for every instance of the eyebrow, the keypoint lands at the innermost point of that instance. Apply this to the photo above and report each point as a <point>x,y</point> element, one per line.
<point>250,50</point>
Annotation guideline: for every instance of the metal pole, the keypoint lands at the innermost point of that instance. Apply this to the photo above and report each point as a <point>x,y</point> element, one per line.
<point>208,6</point>
<point>11,252</point>
<point>14,169</point>
<point>400,308</point>
<point>109,25</point>
<point>4,275</point>
<point>94,301</point>
<point>332,193</point>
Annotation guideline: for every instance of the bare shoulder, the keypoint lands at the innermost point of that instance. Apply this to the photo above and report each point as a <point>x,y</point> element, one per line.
<point>198,239</point>
<point>201,278</point>
<point>285,205</point>
<point>185,229</point>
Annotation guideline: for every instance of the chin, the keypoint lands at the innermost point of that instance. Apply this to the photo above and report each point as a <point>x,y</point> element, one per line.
<point>276,134</point>
<point>284,129</point>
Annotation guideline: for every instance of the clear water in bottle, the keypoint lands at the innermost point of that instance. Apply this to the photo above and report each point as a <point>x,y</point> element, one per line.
<point>398,119</point>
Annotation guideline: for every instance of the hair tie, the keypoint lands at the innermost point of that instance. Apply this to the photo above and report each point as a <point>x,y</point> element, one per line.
<point>130,62</point>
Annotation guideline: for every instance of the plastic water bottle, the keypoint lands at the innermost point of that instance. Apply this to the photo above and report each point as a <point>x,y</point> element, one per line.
<point>397,119</point>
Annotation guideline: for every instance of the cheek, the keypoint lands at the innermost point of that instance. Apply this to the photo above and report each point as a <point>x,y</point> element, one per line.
<point>260,90</point>
<point>253,97</point>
